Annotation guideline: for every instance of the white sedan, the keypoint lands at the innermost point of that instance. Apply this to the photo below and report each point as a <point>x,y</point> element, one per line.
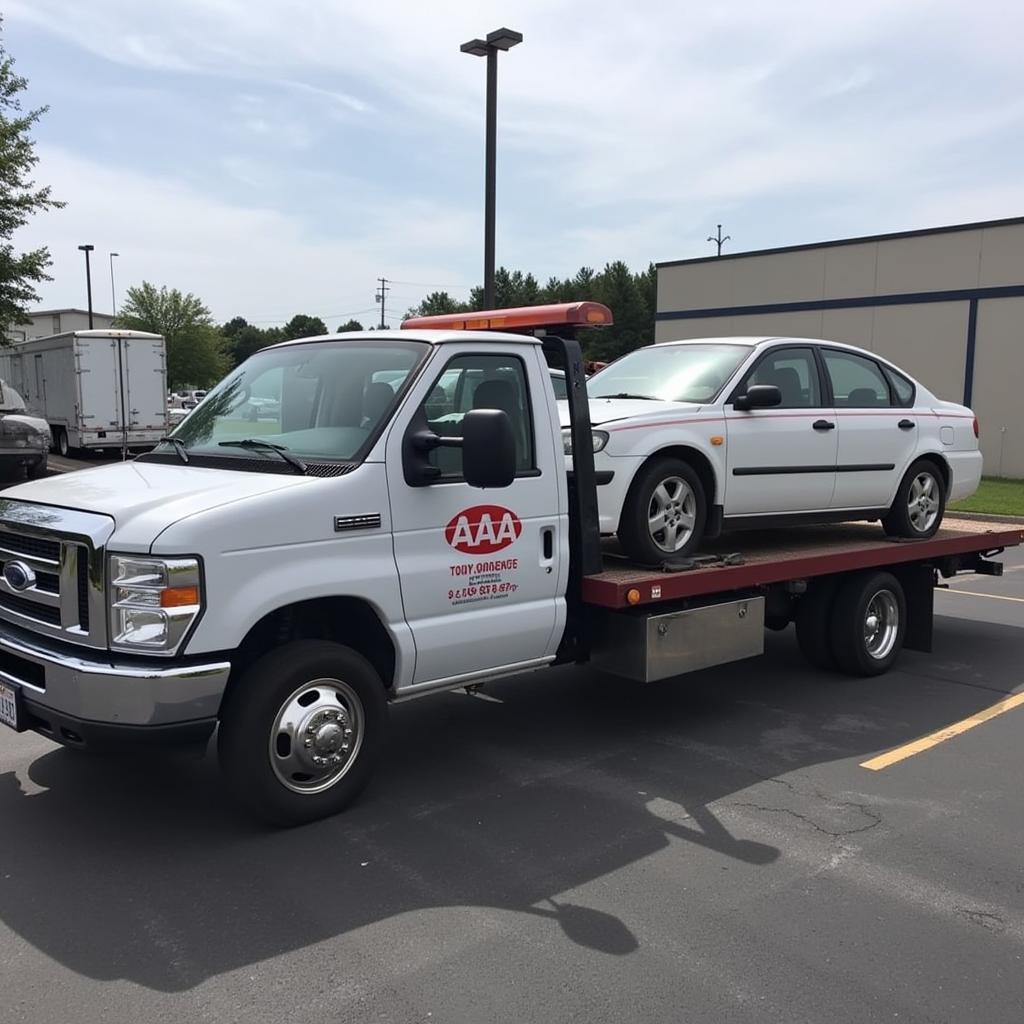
<point>694,437</point>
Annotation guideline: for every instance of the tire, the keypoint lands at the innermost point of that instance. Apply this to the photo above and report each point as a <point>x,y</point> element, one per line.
<point>274,778</point>
<point>908,517</point>
<point>672,485</point>
<point>36,469</point>
<point>63,448</point>
<point>813,621</point>
<point>862,648</point>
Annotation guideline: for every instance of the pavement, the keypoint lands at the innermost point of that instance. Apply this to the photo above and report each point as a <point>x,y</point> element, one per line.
<point>567,847</point>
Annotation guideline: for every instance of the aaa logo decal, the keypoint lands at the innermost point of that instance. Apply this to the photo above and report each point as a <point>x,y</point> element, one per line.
<point>483,529</point>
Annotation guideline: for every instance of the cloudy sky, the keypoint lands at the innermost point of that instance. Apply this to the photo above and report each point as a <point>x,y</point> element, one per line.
<point>276,156</point>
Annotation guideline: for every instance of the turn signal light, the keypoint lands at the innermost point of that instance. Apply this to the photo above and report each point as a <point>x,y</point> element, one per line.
<point>179,597</point>
<point>633,596</point>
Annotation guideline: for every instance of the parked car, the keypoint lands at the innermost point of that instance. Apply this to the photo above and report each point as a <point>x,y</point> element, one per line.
<point>24,437</point>
<point>693,437</point>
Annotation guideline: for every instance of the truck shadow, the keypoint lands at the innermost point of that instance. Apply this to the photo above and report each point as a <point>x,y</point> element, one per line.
<point>139,868</point>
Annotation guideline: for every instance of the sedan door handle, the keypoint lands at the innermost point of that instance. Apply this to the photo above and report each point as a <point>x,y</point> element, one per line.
<point>823,425</point>
<point>906,424</point>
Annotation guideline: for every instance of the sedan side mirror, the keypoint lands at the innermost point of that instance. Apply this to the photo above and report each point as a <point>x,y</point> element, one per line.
<point>758,396</point>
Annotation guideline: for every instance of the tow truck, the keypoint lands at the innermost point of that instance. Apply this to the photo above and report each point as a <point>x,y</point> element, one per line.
<point>346,522</point>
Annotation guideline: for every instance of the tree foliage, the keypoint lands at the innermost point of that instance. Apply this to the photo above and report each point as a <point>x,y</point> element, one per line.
<point>302,326</point>
<point>195,354</point>
<point>349,325</point>
<point>630,296</point>
<point>20,199</point>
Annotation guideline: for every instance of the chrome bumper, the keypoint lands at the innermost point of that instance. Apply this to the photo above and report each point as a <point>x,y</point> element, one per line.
<point>96,689</point>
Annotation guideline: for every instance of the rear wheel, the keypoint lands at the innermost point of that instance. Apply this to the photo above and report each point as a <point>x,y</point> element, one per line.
<point>920,503</point>
<point>664,513</point>
<point>301,730</point>
<point>61,439</point>
<point>868,623</point>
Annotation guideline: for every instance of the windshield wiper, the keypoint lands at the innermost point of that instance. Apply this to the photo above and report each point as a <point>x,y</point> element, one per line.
<point>258,442</point>
<point>627,394</point>
<point>178,445</point>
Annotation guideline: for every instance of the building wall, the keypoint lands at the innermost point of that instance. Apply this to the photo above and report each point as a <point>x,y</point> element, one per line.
<point>58,321</point>
<point>908,297</point>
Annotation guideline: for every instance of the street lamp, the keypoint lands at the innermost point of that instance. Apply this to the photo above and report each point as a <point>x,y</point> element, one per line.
<point>499,39</point>
<point>113,300</point>
<point>88,279</point>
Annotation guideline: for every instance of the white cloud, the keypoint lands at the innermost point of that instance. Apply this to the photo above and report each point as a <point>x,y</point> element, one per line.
<point>625,132</point>
<point>239,259</point>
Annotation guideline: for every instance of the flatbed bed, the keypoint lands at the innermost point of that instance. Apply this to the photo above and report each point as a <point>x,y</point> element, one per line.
<point>777,556</point>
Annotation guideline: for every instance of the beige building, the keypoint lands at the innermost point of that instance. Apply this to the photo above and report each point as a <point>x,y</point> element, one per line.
<point>947,304</point>
<point>58,321</point>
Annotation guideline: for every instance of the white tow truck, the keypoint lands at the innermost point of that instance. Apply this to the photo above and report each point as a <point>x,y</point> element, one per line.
<point>354,520</point>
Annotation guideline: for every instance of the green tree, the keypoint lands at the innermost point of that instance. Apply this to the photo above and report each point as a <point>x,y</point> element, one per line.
<point>242,339</point>
<point>436,304</point>
<point>20,199</point>
<point>195,354</point>
<point>349,325</point>
<point>302,326</point>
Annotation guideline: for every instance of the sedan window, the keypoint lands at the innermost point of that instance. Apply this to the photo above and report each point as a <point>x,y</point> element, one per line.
<point>794,372</point>
<point>857,382</point>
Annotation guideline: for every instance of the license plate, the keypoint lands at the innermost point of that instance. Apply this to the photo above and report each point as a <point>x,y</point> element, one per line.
<point>9,705</point>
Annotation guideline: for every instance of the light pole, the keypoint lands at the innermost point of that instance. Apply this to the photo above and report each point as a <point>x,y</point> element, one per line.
<point>719,239</point>
<point>499,39</point>
<point>88,279</point>
<point>113,300</point>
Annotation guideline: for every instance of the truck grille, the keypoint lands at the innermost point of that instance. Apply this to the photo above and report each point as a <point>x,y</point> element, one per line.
<point>58,586</point>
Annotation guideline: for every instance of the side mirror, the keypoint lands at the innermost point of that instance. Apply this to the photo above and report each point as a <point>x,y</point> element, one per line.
<point>488,448</point>
<point>758,396</point>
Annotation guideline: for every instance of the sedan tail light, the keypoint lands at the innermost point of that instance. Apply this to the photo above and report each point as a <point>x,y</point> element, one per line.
<point>977,432</point>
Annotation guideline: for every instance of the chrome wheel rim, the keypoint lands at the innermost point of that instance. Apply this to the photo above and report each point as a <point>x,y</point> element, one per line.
<point>881,624</point>
<point>672,514</point>
<point>316,736</point>
<point>923,502</point>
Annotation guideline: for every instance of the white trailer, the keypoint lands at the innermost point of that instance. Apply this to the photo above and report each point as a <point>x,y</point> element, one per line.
<point>96,389</point>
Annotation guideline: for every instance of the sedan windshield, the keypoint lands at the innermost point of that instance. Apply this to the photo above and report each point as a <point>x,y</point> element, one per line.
<point>315,401</point>
<point>670,373</point>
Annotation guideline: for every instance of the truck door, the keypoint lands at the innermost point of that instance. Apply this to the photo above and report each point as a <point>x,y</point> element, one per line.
<point>481,572</point>
<point>144,383</point>
<point>99,385</point>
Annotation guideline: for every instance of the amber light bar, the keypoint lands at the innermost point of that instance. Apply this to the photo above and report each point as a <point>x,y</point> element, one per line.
<point>575,314</point>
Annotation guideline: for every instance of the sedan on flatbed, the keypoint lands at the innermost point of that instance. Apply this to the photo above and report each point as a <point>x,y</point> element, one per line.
<point>695,437</point>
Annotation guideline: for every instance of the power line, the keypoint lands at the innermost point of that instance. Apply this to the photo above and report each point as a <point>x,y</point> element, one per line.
<point>435,284</point>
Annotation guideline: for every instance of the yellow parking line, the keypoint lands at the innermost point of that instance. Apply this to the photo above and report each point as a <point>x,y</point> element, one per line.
<point>933,739</point>
<point>971,593</point>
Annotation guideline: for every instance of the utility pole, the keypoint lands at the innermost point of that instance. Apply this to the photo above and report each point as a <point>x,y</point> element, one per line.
<point>382,292</point>
<point>718,239</point>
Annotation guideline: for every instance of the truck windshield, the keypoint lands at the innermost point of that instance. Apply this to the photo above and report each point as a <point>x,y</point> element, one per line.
<point>326,400</point>
<point>670,373</point>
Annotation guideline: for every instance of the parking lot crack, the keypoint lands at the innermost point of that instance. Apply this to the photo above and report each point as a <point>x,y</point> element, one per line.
<point>874,819</point>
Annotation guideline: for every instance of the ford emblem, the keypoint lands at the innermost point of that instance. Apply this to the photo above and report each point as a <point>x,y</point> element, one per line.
<point>19,576</point>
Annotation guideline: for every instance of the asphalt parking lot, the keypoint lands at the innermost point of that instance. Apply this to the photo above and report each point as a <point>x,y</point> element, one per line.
<point>569,848</point>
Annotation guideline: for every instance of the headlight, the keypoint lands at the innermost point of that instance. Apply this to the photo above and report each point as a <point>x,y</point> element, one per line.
<point>153,602</point>
<point>600,438</point>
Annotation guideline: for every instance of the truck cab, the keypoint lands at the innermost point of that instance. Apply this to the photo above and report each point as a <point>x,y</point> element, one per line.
<point>400,493</point>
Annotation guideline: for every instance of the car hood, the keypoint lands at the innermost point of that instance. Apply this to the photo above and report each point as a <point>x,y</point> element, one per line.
<point>607,410</point>
<point>144,498</point>
<point>25,419</point>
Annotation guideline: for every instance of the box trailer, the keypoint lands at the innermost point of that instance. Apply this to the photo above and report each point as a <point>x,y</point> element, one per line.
<point>96,389</point>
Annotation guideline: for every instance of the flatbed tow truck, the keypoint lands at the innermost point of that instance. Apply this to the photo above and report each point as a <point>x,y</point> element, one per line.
<point>282,577</point>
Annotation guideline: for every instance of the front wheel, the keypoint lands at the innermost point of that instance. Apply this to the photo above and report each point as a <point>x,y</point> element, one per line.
<point>301,730</point>
<point>664,513</point>
<point>920,503</point>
